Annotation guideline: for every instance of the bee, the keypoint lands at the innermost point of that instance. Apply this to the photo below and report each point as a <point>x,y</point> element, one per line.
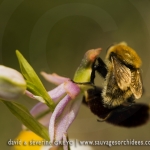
<point>115,102</point>
<point>123,77</point>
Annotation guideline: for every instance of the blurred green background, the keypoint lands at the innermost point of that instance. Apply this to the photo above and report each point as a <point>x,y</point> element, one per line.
<point>54,35</point>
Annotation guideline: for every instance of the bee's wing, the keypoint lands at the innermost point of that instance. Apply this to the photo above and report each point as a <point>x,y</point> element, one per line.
<point>136,84</point>
<point>122,74</point>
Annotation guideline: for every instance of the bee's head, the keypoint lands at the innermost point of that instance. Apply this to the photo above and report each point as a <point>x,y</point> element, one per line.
<point>125,54</point>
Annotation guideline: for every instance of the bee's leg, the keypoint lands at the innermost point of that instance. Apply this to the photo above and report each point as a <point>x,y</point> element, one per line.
<point>119,109</point>
<point>101,67</point>
<point>93,72</point>
<point>104,119</point>
<point>84,101</point>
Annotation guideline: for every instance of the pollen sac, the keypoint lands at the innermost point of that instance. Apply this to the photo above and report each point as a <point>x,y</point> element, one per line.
<point>12,83</point>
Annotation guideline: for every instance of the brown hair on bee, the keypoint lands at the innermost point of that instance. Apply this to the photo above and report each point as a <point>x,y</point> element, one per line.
<point>123,78</point>
<point>125,53</point>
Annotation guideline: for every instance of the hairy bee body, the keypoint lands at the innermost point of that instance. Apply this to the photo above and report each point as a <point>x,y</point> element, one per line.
<point>114,102</point>
<point>112,95</point>
<point>123,79</point>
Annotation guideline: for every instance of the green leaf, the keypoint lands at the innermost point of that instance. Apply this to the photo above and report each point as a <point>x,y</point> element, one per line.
<point>34,84</point>
<point>34,89</point>
<point>26,118</point>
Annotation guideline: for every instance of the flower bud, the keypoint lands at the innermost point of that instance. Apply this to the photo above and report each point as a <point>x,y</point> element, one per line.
<point>12,83</point>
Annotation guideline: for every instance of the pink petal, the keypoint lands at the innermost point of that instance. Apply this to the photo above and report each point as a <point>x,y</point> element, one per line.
<point>68,87</point>
<point>65,111</point>
<point>66,118</point>
<point>54,78</point>
<point>62,117</point>
<point>57,93</point>
<point>39,109</point>
<point>45,120</point>
<point>29,94</point>
<point>58,110</point>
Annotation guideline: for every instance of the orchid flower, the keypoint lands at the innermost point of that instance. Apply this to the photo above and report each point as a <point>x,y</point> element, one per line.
<point>58,107</point>
<point>65,96</point>
<point>65,111</point>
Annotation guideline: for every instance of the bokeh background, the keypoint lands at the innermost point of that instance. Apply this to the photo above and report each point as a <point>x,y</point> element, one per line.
<point>54,35</point>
